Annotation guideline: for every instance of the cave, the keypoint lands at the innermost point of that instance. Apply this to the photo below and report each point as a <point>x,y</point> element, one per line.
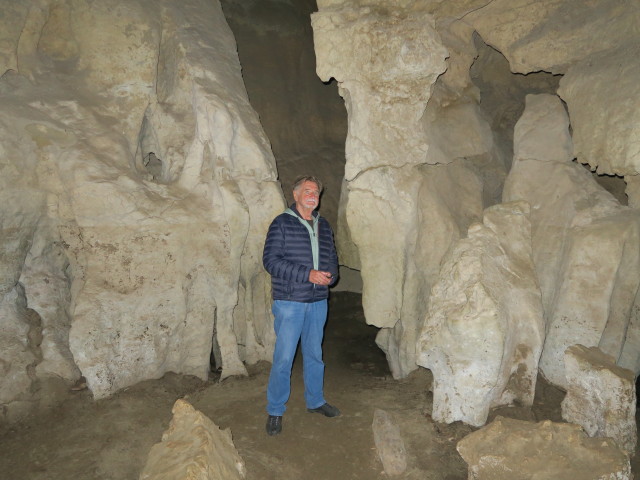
<point>480,164</point>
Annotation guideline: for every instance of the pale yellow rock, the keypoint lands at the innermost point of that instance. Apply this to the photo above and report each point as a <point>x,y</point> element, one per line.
<point>401,250</point>
<point>389,443</point>
<point>509,449</point>
<point>392,225</point>
<point>578,228</point>
<point>138,186</point>
<point>601,397</point>
<point>484,331</point>
<point>385,62</point>
<point>12,21</point>
<point>603,98</point>
<point>193,448</point>
<point>551,35</point>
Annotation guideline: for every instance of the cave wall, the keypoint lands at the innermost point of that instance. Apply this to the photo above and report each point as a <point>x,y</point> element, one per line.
<point>137,188</point>
<point>138,181</point>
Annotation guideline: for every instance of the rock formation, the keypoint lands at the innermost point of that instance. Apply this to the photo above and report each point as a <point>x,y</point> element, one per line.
<point>193,447</point>
<point>578,229</point>
<point>601,397</point>
<point>484,331</point>
<point>138,186</point>
<point>507,449</point>
<point>364,45</point>
<point>405,199</point>
<point>389,443</point>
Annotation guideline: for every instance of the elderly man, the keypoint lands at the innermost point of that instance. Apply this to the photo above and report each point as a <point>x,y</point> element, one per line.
<point>300,256</point>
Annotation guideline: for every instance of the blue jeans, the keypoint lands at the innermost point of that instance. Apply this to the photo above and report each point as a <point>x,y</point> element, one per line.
<point>304,322</point>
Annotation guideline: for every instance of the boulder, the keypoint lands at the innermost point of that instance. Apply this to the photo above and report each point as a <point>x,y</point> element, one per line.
<point>509,449</point>
<point>601,397</point>
<point>484,330</point>
<point>193,448</point>
<point>578,228</point>
<point>389,443</point>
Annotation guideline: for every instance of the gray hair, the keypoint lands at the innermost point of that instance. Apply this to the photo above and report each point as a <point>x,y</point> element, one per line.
<point>306,178</point>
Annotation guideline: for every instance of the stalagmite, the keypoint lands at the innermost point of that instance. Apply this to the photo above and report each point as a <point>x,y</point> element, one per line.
<point>484,331</point>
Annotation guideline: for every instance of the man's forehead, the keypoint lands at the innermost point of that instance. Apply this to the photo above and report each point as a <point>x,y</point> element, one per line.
<point>309,185</point>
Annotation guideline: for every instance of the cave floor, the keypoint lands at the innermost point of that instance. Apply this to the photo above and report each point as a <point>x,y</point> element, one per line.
<point>110,439</point>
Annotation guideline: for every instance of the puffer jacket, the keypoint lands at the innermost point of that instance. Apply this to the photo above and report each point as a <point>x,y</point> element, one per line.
<point>288,256</point>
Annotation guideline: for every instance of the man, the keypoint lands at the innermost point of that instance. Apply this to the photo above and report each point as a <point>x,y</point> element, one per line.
<point>301,258</point>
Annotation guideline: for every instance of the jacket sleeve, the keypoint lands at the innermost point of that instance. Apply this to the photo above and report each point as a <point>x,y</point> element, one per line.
<point>333,259</point>
<point>274,257</point>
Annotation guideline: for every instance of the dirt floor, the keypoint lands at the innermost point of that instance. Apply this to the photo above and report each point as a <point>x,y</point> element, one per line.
<point>110,439</point>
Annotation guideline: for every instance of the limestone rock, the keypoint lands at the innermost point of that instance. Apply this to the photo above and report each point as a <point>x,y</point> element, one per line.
<point>11,23</point>
<point>386,62</point>
<point>551,35</point>
<point>630,355</point>
<point>604,104</point>
<point>601,397</point>
<point>193,448</point>
<point>633,190</point>
<point>510,449</point>
<point>47,286</point>
<point>389,443</point>
<point>577,228</point>
<point>21,205</point>
<point>484,330</point>
<point>140,186</point>
<point>17,356</point>
<point>414,215</point>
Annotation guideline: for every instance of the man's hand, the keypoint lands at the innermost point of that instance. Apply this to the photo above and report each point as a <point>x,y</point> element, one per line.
<point>320,278</point>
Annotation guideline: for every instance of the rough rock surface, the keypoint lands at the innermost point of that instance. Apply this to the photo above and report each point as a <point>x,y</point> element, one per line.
<point>193,448</point>
<point>484,331</point>
<point>601,397</point>
<point>409,189</point>
<point>604,104</point>
<point>551,35</point>
<point>389,443</point>
<point>510,449</point>
<point>138,186</point>
<point>578,229</point>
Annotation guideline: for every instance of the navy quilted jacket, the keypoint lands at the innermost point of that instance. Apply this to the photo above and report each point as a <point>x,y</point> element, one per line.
<point>288,256</point>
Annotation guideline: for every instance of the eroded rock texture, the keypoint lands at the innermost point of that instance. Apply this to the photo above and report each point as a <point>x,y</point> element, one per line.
<point>138,186</point>
<point>405,199</point>
<point>585,244</point>
<point>507,449</point>
<point>484,330</point>
<point>193,447</point>
<point>601,397</point>
<point>373,50</point>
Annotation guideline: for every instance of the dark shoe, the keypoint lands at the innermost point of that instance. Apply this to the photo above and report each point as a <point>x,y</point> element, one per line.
<point>326,410</point>
<point>274,425</point>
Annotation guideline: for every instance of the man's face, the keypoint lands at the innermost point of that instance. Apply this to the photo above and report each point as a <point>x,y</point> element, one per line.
<point>307,195</point>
